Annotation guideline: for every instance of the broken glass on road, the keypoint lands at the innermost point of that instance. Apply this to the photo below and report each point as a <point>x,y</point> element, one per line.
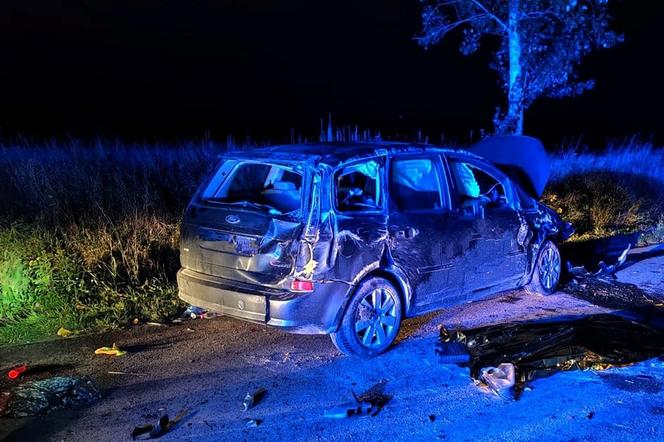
<point>34,398</point>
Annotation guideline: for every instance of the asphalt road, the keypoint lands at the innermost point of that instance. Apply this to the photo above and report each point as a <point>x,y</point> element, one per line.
<point>205,367</point>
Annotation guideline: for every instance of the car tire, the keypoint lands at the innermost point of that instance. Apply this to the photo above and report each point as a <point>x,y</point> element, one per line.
<point>547,271</point>
<point>371,321</point>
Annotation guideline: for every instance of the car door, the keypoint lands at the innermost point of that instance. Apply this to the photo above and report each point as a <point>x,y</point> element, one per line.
<point>417,226</point>
<point>488,226</point>
<point>359,205</point>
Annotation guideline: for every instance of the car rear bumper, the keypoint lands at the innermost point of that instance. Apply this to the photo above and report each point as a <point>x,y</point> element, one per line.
<point>317,312</point>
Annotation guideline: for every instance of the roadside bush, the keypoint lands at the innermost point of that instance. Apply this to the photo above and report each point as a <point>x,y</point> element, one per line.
<point>615,191</point>
<point>89,235</point>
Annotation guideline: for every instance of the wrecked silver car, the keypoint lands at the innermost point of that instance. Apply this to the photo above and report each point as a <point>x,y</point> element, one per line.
<point>349,239</point>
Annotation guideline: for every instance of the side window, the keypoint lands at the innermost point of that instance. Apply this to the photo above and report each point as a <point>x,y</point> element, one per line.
<point>415,185</point>
<point>357,188</point>
<point>473,187</point>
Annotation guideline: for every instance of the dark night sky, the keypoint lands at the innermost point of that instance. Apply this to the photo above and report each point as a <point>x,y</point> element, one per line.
<point>174,69</point>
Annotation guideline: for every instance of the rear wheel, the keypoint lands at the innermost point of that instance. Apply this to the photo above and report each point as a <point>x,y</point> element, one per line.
<point>371,321</point>
<point>546,274</point>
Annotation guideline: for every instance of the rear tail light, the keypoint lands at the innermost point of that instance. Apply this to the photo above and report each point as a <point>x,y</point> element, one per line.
<point>298,285</point>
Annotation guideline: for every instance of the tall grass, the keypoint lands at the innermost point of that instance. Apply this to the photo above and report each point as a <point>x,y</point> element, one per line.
<point>620,190</point>
<point>89,232</point>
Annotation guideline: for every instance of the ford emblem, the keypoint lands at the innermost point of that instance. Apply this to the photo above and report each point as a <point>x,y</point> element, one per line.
<point>232,219</point>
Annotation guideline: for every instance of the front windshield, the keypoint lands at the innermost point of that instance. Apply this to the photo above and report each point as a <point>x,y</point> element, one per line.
<point>274,187</point>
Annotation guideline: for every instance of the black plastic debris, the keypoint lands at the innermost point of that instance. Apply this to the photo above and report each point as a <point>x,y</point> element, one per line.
<point>150,431</point>
<point>40,397</point>
<point>451,351</point>
<point>539,349</point>
<point>350,409</point>
<point>368,403</point>
<point>153,431</point>
<point>252,399</point>
<point>601,287</point>
<point>603,269</point>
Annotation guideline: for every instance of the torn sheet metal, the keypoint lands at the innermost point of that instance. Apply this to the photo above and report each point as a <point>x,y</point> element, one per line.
<point>603,270</point>
<point>601,287</point>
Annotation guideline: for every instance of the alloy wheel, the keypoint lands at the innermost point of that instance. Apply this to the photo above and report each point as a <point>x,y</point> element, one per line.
<point>549,268</point>
<point>376,318</point>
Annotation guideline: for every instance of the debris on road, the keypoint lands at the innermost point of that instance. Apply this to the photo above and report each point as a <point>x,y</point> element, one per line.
<point>64,333</point>
<point>150,431</point>
<point>155,324</point>
<point>602,288</point>
<point>615,294</point>
<point>253,423</point>
<point>126,373</point>
<point>499,378</point>
<point>252,399</point>
<point>539,349</point>
<point>110,351</point>
<point>603,270</point>
<point>15,372</point>
<point>368,403</point>
<point>34,398</point>
<point>196,313</point>
<point>451,352</point>
<point>193,312</point>
<point>349,409</point>
<point>375,396</point>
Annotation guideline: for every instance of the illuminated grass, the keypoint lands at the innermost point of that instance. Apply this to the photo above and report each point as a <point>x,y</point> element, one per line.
<point>89,234</point>
<point>620,190</point>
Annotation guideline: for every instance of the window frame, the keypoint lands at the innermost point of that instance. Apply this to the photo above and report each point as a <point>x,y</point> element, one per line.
<point>435,158</point>
<point>485,167</point>
<point>226,169</point>
<point>380,186</point>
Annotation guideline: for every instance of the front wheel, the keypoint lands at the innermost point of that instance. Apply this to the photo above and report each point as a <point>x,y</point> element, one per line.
<point>546,274</point>
<point>371,321</point>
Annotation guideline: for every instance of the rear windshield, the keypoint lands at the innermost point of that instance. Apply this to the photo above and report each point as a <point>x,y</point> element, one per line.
<point>270,186</point>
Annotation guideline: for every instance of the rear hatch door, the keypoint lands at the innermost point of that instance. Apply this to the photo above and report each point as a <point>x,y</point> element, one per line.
<point>245,223</point>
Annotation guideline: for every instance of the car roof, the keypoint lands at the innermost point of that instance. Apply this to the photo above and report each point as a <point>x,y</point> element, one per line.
<point>338,153</point>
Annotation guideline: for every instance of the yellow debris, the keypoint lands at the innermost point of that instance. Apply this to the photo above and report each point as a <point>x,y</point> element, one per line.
<point>64,332</point>
<point>111,351</point>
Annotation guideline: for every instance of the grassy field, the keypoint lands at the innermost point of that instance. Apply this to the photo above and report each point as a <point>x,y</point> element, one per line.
<point>89,233</point>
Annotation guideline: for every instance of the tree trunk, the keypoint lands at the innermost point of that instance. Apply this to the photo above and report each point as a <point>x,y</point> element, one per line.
<point>514,117</point>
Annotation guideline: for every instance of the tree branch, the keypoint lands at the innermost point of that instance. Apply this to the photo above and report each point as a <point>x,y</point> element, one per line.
<point>487,12</point>
<point>444,28</point>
